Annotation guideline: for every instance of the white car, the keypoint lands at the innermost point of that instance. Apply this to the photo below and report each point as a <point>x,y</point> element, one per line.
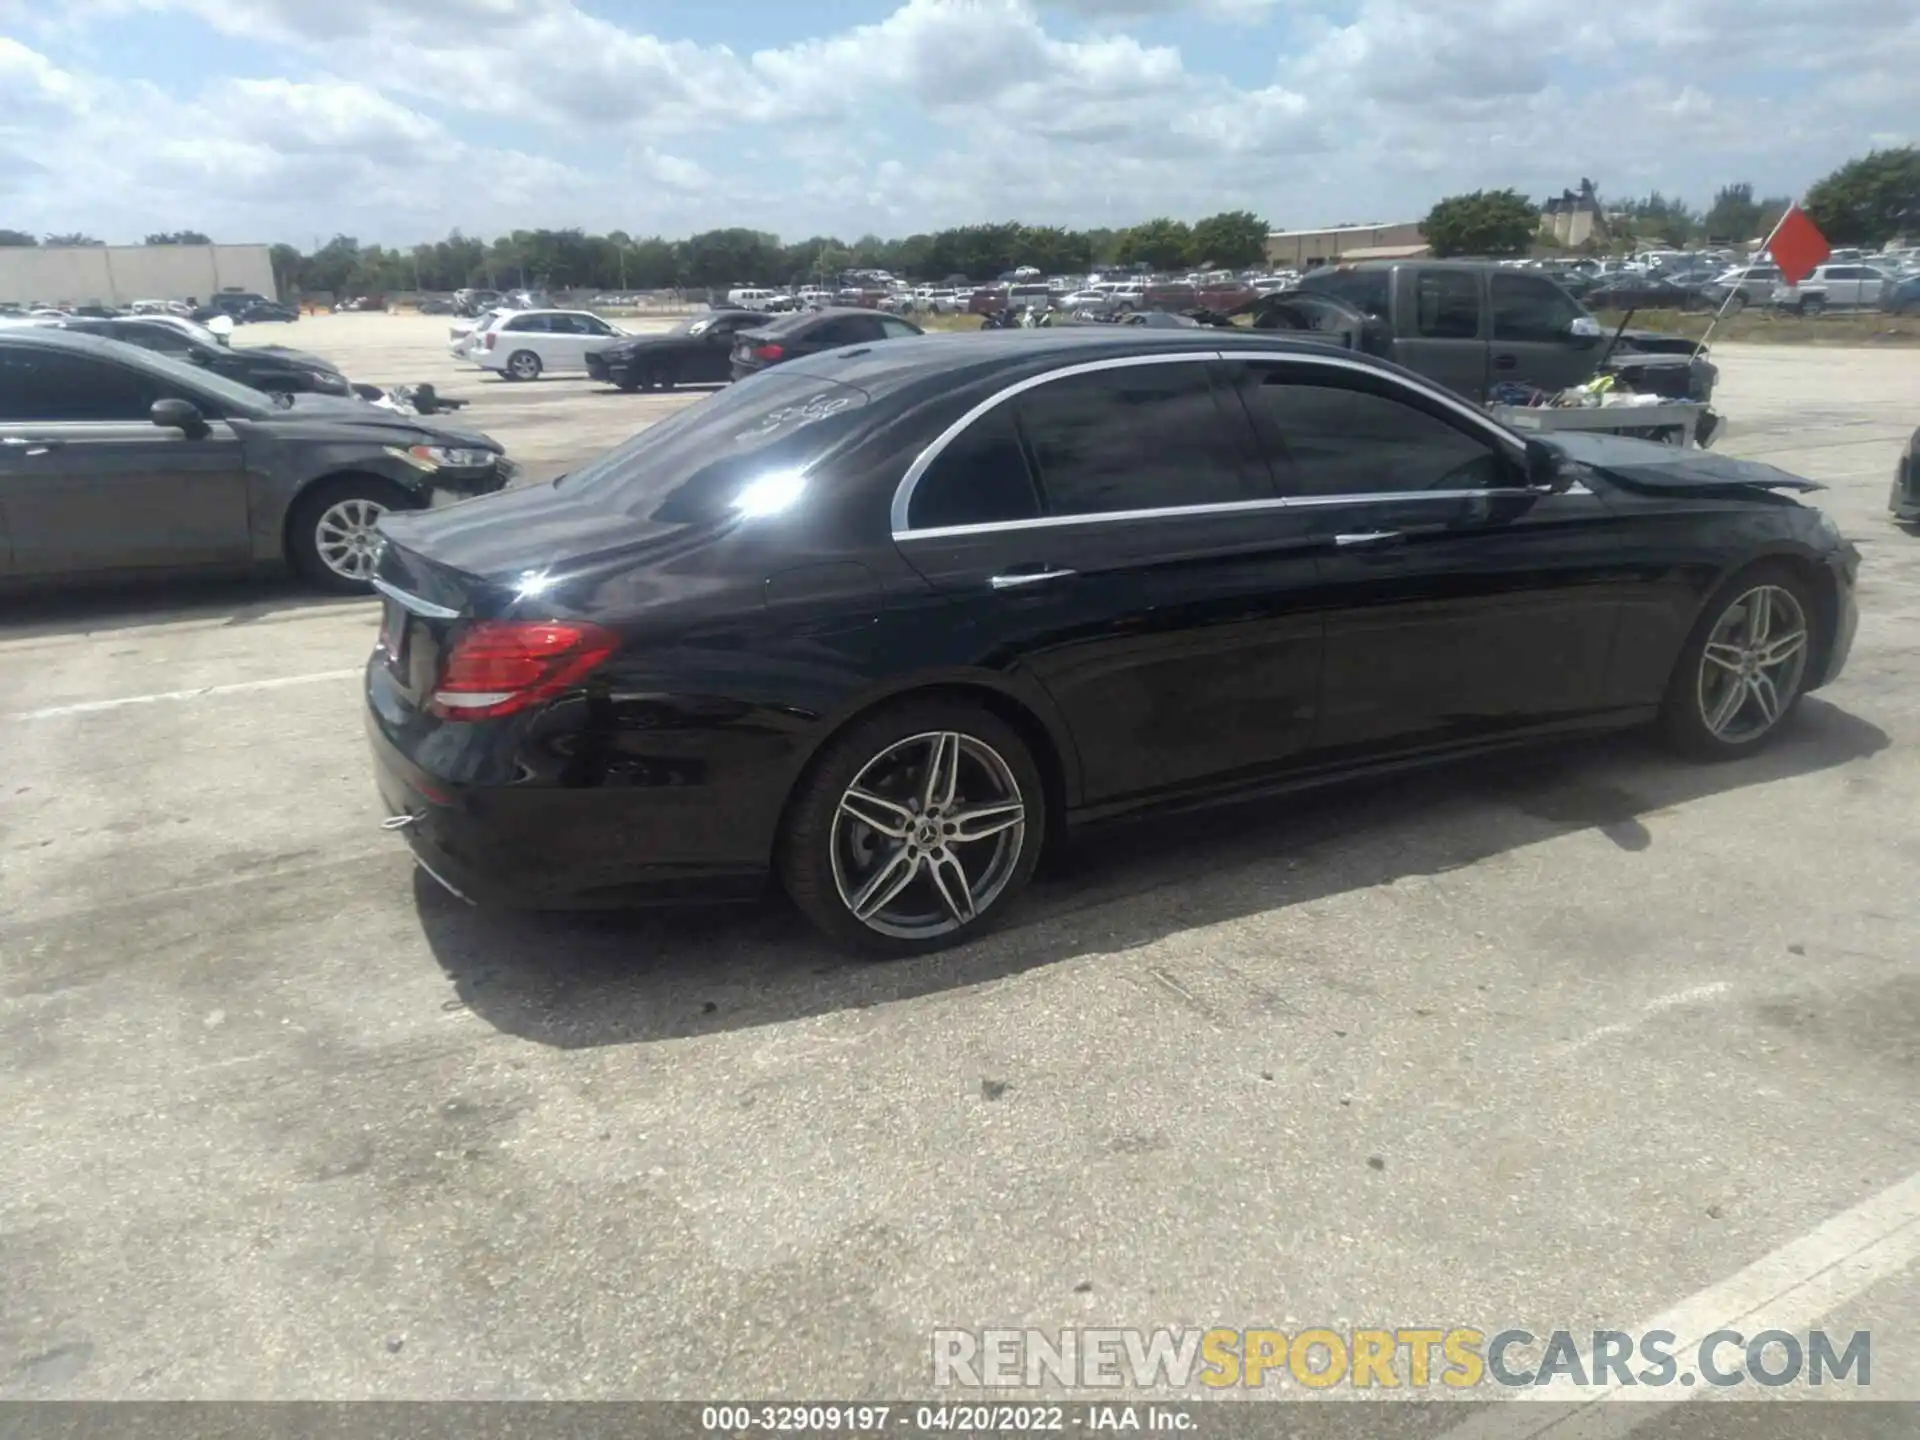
<point>526,344</point>
<point>1847,286</point>
<point>463,334</point>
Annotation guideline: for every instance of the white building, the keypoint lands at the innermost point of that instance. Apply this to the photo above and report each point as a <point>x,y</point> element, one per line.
<point>121,274</point>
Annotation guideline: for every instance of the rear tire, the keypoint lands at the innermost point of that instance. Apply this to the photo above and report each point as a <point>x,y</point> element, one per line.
<point>523,365</point>
<point>1725,697</point>
<point>330,539</point>
<point>951,888</point>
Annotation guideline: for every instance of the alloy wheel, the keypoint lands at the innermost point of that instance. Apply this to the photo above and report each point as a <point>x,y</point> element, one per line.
<point>928,835</point>
<point>346,539</point>
<point>1752,665</point>
<point>524,367</point>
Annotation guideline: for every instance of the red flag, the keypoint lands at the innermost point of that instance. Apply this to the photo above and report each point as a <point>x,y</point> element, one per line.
<point>1798,247</point>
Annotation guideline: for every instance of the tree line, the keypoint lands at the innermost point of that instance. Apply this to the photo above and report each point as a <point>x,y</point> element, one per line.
<point>573,259</point>
<point>1867,201</point>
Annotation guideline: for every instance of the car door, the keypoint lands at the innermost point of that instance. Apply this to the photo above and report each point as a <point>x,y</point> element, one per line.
<point>1440,331</point>
<point>1459,605</point>
<point>1537,339</point>
<point>92,485</point>
<point>1109,532</point>
<point>711,356</point>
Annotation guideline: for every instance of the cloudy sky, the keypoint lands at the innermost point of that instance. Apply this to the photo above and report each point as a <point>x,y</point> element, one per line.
<point>395,120</point>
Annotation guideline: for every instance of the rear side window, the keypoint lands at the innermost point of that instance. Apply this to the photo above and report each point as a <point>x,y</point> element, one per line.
<point>696,466</point>
<point>521,324</point>
<point>979,479</point>
<point>1136,437</point>
<point>1447,304</point>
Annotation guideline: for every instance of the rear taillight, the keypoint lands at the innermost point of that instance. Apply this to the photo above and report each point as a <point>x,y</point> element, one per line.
<point>491,337</point>
<point>498,667</point>
<point>768,352</point>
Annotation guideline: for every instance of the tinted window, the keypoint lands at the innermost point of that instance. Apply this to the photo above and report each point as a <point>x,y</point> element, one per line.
<point>980,478</point>
<point>163,338</point>
<point>1140,437</point>
<point>847,330</point>
<point>1447,304</point>
<point>50,385</point>
<point>524,323</point>
<point>1528,308</point>
<point>695,465</point>
<point>897,329</point>
<point>1331,440</point>
<point>1368,291</point>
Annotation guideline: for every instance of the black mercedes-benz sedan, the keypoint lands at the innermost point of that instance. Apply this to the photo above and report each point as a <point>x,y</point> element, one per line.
<point>698,350</point>
<point>884,622</point>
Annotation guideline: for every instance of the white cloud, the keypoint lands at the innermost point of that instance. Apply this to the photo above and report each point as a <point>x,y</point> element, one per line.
<point>937,112</point>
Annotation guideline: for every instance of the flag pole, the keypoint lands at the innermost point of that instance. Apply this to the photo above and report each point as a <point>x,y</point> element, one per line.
<point>1734,289</point>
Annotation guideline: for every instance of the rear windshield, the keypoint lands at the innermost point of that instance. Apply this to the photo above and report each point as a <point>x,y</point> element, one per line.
<point>695,466</point>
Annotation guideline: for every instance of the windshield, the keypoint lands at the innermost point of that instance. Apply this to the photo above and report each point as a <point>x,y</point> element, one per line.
<point>696,466</point>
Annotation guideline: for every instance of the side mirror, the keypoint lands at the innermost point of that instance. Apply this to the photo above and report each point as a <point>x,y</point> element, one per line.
<point>1584,331</point>
<point>182,415</point>
<point>1546,469</point>
<point>200,355</point>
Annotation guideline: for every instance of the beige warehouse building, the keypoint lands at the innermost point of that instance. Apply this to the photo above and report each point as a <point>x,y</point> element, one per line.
<point>121,274</point>
<point>1299,249</point>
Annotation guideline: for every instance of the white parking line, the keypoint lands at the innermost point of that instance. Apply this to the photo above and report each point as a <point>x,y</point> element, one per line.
<point>1786,1290</point>
<point>87,707</point>
<point>1693,995</point>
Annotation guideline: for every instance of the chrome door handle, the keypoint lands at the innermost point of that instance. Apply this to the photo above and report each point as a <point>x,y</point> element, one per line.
<point>1366,537</point>
<point>1028,577</point>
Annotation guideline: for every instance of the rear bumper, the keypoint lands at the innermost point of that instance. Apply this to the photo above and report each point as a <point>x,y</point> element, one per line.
<point>546,848</point>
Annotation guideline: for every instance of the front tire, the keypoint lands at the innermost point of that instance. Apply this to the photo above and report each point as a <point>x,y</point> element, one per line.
<point>1745,666</point>
<point>330,530</point>
<point>915,829</point>
<point>523,365</point>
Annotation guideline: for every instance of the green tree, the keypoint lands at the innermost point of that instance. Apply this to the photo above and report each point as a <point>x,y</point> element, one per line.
<point>1162,243</point>
<point>76,238</point>
<point>1667,221</point>
<point>1486,222</point>
<point>1871,200</point>
<point>1734,214</point>
<point>1231,240</point>
<point>287,264</point>
<point>179,237</point>
<point>16,238</point>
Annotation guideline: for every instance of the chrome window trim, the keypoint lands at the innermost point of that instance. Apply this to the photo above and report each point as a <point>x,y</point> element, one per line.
<point>418,606</point>
<point>903,493</point>
<point>1495,434</point>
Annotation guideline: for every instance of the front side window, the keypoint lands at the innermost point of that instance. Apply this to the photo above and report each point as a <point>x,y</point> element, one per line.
<point>1134,437</point>
<point>1526,307</point>
<point>1327,438</point>
<point>1447,304</point>
<point>897,329</point>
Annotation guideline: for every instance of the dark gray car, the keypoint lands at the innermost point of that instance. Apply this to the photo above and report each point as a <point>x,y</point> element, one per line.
<point>116,460</point>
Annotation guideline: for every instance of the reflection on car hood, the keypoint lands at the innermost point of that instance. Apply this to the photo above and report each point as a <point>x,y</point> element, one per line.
<point>342,417</point>
<point>1649,465</point>
<point>303,359</point>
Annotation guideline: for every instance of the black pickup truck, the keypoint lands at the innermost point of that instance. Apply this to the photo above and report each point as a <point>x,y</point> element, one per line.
<point>1472,325</point>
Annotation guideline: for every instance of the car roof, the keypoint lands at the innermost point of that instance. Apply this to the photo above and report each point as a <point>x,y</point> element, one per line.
<point>948,361</point>
<point>62,337</point>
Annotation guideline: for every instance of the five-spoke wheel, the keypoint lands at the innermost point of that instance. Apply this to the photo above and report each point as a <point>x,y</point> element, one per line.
<point>915,827</point>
